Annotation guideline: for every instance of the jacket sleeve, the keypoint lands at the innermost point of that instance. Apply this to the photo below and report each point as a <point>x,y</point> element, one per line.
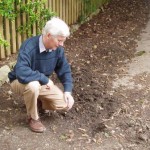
<point>63,72</point>
<point>23,70</point>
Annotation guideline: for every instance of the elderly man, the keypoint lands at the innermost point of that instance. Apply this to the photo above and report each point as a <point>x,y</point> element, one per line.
<point>38,58</point>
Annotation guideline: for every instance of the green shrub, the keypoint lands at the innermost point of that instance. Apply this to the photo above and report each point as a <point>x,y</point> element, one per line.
<point>35,12</point>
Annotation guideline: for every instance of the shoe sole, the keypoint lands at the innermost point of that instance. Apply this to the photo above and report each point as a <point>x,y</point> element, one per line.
<point>37,131</point>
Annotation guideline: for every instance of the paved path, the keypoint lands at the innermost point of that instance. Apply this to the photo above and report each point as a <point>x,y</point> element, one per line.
<point>138,65</point>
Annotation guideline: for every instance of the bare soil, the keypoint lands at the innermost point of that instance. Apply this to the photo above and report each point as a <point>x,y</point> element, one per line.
<point>103,118</point>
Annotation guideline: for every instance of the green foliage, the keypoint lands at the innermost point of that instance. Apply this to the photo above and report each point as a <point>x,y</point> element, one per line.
<point>35,12</point>
<point>3,42</point>
<point>90,6</point>
<point>87,9</point>
<point>7,9</point>
<point>140,53</point>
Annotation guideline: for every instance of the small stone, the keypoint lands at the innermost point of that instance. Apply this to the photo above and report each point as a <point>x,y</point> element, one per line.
<point>143,137</point>
<point>10,92</point>
<point>95,46</point>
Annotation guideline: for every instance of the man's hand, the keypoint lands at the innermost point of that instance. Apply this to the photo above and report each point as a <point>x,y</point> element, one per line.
<point>49,84</point>
<point>69,99</point>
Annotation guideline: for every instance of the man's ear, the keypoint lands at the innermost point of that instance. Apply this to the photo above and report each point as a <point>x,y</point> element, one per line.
<point>49,35</point>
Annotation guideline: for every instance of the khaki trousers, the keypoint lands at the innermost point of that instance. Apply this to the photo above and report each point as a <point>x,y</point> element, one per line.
<point>52,99</point>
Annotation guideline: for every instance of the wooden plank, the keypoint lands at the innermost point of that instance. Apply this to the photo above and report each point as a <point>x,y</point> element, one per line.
<point>18,36</point>
<point>53,5</point>
<point>29,30</point>
<point>82,10</point>
<point>33,27</point>
<point>85,9</point>
<point>57,7</point>
<point>77,1</point>
<point>13,37</point>
<point>50,4</point>
<point>7,37</point>
<point>46,4</point>
<point>24,21</point>
<point>72,11</point>
<point>79,9</point>
<point>1,54</point>
<point>76,9</point>
<point>63,10</point>
<point>60,9</point>
<point>68,11</point>
<point>2,49</point>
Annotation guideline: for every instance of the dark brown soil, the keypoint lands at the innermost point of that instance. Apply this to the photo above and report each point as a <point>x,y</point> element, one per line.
<point>99,119</point>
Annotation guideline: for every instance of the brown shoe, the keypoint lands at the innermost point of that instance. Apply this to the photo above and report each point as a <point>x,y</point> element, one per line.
<point>36,125</point>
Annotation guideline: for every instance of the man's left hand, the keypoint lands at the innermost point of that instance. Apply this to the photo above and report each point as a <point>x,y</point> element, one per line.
<point>69,99</point>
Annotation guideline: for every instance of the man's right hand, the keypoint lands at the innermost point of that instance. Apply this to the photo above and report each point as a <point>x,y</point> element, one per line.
<point>49,84</point>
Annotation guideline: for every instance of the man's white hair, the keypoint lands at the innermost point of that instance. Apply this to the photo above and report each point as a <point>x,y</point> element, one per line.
<point>56,27</point>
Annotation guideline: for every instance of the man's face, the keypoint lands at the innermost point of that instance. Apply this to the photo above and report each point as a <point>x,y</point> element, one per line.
<point>55,41</point>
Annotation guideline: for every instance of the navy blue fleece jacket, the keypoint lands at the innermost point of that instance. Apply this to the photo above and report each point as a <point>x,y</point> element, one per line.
<point>35,66</point>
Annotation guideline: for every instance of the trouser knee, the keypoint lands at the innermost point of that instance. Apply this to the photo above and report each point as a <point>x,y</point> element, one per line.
<point>33,87</point>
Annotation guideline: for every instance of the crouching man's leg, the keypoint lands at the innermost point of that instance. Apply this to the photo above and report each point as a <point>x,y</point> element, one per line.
<point>30,93</point>
<point>53,98</point>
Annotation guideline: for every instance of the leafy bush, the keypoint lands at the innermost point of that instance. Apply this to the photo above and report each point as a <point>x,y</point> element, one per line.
<point>34,10</point>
